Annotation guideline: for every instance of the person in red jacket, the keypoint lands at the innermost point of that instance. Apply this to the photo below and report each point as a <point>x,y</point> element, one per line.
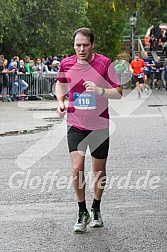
<point>136,67</point>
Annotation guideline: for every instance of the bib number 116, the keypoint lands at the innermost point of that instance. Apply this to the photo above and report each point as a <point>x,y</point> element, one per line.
<point>83,101</point>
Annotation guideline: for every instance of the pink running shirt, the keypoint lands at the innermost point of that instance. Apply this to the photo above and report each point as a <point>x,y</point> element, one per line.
<point>87,110</point>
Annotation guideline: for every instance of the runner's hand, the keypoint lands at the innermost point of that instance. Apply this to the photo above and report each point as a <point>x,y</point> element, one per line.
<point>61,110</point>
<point>91,87</point>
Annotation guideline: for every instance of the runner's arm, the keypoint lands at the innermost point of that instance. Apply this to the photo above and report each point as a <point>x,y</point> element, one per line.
<point>110,93</point>
<point>60,94</point>
<point>131,69</point>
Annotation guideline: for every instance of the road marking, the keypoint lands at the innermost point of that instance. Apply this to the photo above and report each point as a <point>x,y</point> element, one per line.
<point>137,116</point>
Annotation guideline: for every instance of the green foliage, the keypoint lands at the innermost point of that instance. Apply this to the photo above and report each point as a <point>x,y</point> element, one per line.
<point>6,16</point>
<point>107,22</point>
<point>148,12</point>
<point>42,28</point>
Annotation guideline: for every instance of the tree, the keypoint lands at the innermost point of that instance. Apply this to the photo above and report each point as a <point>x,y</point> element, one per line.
<point>107,22</point>
<point>148,12</point>
<point>6,16</point>
<point>42,28</point>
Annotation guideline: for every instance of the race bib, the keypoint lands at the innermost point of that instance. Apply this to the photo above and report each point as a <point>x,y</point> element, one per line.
<point>146,69</point>
<point>140,76</point>
<point>157,70</point>
<point>84,100</point>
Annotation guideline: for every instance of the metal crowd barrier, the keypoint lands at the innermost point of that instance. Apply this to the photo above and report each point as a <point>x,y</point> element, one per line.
<point>38,85</point>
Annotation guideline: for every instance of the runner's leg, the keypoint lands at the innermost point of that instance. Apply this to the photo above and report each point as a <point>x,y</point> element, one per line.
<point>78,174</point>
<point>99,169</point>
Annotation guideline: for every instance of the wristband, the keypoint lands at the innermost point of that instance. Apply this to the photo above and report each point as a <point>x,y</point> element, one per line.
<point>103,92</point>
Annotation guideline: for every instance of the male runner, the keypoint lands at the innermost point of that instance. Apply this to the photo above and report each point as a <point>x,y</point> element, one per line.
<point>158,68</point>
<point>147,70</point>
<point>91,80</point>
<point>136,67</point>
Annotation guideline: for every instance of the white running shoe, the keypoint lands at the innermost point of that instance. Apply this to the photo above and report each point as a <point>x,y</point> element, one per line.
<point>82,222</point>
<point>96,220</point>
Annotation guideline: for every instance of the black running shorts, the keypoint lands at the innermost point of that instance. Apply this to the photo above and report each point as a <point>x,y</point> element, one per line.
<point>97,140</point>
<point>157,76</point>
<point>136,79</point>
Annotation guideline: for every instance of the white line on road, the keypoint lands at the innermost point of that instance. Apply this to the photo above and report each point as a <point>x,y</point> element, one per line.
<point>137,116</point>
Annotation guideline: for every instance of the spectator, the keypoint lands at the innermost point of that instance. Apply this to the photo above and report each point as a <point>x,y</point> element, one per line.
<point>165,32</point>
<point>55,69</point>
<point>152,43</point>
<point>15,82</point>
<point>48,63</point>
<point>39,67</point>
<point>14,79</point>
<point>5,72</point>
<point>28,67</point>
<point>22,72</point>
<point>55,57</point>
<point>1,73</point>
<point>32,65</point>
<point>55,65</point>
<point>43,60</point>
<point>163,37</point>
<point>164,49</point>
<point>6,80</point>
<point>165,74</point>
<point>156,31</point>
<point>15,59</point>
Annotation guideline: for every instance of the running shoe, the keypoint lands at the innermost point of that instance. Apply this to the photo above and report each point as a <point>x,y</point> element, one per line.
<point>82,222</point>
<point>96,220</point>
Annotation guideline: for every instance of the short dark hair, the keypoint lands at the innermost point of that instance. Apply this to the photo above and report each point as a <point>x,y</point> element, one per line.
<point>137,54</point>
<point>84,31</point>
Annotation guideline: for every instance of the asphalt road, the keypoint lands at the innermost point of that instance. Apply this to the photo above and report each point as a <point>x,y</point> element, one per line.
<point>37,203</point>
